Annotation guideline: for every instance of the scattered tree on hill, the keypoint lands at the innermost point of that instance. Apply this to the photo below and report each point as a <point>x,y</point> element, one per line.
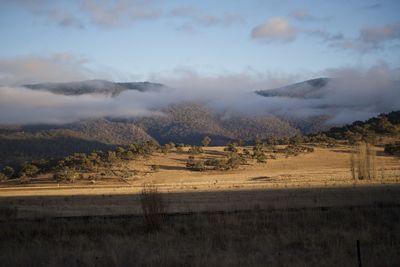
<point>233,161</point>
<point>296,140</point>
<point>194,165</point>
<point>231,147</point>
<point>240,142</point>
<point>367,131</point>
<point>172,145</point>
<point>111,157</point>
<point>120,152</point>
<point>8,172</point>
<point>168,147</point>
<point>206,141</point>
<point>194,150</point>
<point>258,153</point>
<point>393,149</point>
<point>246,153</point>
<point>65,174</point>
<point>285,140</point>
<point>179,148</point>
<point>272,141</point>
<point>29,170</point>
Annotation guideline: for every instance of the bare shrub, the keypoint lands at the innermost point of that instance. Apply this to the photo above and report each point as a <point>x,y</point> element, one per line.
<point>154,208</point>
<point>353,165</point>
<point>362,162</point>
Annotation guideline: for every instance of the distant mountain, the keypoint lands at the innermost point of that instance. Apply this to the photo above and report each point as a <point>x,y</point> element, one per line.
<point>308,89</point>
<point>95,87</point>
<point>185,122</point>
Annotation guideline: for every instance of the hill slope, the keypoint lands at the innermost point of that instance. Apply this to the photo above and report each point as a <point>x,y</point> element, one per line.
<point>56,141</point>
<point>385,125</point>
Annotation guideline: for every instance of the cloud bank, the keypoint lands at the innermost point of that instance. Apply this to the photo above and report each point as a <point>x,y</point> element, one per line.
<point>60,67</point>
<point>353,94</point>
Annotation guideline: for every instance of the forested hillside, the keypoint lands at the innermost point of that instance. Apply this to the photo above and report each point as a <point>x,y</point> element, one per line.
<point>179,123</point>
<point>384,125</point>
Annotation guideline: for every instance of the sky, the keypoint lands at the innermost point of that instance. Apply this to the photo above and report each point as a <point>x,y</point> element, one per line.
<point>213,51</point>
<point>136,40</point>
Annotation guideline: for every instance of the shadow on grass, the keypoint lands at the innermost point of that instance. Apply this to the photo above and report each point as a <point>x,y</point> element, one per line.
<point>114,204</point>
<point>261,178</point>
<point>172,168</point>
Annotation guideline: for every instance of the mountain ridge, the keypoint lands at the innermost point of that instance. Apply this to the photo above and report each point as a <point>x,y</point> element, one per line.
<point>95,87</point>
<point>307,89</point>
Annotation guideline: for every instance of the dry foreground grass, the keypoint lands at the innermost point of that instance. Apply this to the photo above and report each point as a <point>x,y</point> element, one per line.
<point>296,211</point>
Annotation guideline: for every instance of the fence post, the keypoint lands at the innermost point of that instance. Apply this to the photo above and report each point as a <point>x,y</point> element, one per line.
<point>359,254</point>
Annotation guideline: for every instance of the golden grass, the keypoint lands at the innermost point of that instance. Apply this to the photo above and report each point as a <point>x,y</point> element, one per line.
<point>306,210</point>
<point>324,167</point>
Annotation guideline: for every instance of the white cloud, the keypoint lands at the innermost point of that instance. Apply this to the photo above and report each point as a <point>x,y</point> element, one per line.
<point>275,29</point>
<point>24,106</point>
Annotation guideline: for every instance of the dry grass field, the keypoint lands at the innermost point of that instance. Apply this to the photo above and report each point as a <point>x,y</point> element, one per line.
<point>304,210</point>
<point>324,167</point>
<point>284,181</point>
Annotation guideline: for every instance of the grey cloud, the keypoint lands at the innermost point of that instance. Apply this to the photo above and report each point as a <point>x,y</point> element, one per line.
<point>119,12</point>
<point>357,93</point>
<point>373,6</point>
<point>380,34</point>
<point>102,13</point>
<point>195,18</point>
<point>327,36</point>
<point>51,12</point>
<point>303,15</point>
<point>369,39</point>
<point>64,19</point>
